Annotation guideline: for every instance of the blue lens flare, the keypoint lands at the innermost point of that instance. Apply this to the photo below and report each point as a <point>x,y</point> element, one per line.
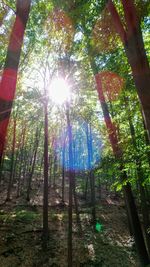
<point>86,148</point>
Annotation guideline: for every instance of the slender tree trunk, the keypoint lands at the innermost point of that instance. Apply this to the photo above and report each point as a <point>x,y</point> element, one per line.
<point>91,174</point>
<point>17,155</point>
<point>24,167</point>
<point>21,161</point>
<point>54,168</point>
<point>74,188</point>
<point>63,173</point>
<point>45,193</point>
<point>71,173</point>
<point>86,186</point>
<point>41,164</point>
<point>76,205</point>
<point>50,169</point>
<point>9,77</point>
<point>33,165</point>
<point>99,188</point>
<point>12,163</point>
<point>147,142</point>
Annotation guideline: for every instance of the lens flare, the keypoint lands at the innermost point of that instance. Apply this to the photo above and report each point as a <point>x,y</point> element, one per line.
<point>86,146</point>
<point>59,91</point>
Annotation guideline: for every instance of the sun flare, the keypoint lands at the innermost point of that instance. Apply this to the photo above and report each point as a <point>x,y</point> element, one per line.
<point>59,91</point>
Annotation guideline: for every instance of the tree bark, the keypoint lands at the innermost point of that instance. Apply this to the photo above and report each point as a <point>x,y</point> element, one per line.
<point>134,47</point>
<point>9,77</point>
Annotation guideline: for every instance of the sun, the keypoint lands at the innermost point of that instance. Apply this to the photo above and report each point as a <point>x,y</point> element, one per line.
<point>59,91</point>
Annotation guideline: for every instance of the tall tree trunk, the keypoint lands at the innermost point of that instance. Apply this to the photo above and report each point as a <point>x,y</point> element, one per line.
<point>37,136</point>
<point>45,193</point>
<point>12,163</point>
<point>54,168</point>
<point>21,160</point>
<point>76,204</point>
<point>86,186</point>
<point>147,142</point>
<point>74,187</point>
<point>9,77</point>
<point>134,47</point>
<point>16,159</point>
<point>140,176</point>
<point>63,172</point>
<point>50,168</point>
<point>71,173</point>
<point>132,210</point>
<point>91,174</point>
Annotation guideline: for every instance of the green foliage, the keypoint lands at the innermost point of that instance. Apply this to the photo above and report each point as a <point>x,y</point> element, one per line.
<point>22,215</point>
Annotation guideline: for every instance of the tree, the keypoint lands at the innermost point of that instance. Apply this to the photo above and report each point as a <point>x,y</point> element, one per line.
<point>131,37</point>
<point>69,131</point>
<point>9,77</point>
<point>131,207</point>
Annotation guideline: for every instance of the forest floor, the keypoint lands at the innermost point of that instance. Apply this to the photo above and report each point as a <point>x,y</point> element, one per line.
<point>21,231</point>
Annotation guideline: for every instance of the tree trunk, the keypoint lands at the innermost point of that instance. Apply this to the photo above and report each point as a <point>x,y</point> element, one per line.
<point>134,47</point>
<point>12,163</point>
<point>33,165</point>
<point>45,193</point>
<point>54,168</point>
<point>132,210</point>
<point>91,174</point>
<point>140,177</point>
<point>135,224</point>
<point>9,77</point>
<point>21,161</point>
<point>76,205</point>
<point>86,186</point>
<point>17,156</point>
<point>71,173</point>
<point>63,173</point>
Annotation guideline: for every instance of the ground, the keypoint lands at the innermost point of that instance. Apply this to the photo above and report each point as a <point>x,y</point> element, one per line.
<point>21,231</point>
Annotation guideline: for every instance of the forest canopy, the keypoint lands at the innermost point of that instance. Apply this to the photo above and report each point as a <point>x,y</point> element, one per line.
<point>75,115</point>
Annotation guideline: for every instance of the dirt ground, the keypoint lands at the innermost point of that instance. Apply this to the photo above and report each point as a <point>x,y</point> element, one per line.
<point>21,231</point>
